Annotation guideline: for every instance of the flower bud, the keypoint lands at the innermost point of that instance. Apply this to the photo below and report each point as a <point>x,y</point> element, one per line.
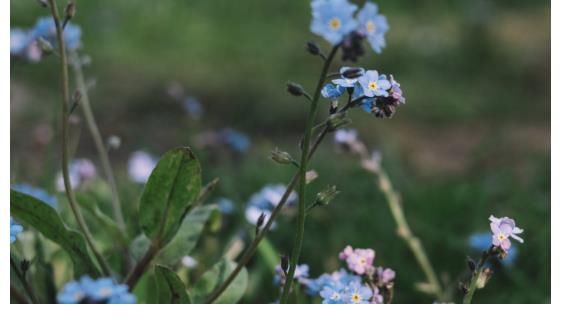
<point>337,121</point>
<point>70,11</point>
<point>281,157</point>
<point>311,176</point>
<point>471,264</point>
<point>483,278</point>
<point>45,46</point>
<point>295,89</point>
<point>284,264</point>
<point>352,73</point>
<point>312,48</point>
<point>326,196</point>
<point>260,222</point>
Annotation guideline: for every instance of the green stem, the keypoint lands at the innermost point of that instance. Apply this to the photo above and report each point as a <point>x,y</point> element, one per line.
<point>98,140</point>
<point>404,231</point>
<point>475,277</point>
<point>299,239</point>
<point>65,147</point>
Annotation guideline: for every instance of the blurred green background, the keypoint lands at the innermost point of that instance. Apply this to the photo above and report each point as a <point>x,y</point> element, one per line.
<point>472,140</point>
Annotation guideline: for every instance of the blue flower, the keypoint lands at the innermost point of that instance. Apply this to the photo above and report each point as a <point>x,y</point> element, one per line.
<point>225,205</point>
<point>333,294</point>
<point>45,28</point>
<point>483,240</point>
<point>19,41</point>
<point>239,142</point>
<point>332,91</point>
<point>264,201</point>
<point>193,107</point>
<point>37,193</point>
<point>373,84</point>
<point>315,286</point>
<point>357,293</point>
<point>347,82</point>
<point>333,19</point>
<point>100,291</point>
<point>373,26</point>
<point>15,229</point>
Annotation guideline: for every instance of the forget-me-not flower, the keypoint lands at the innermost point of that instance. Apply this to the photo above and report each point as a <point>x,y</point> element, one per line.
<point>98,291</point>
<point>332,91</point>
<point>45,28</point>
<point>140,166</point>
<point>333,19</point>
<point>373,26</point>
<point>504,228</point>
<point>348,82</point>
<point>357,294</point>
<point>374,84</point>
<point>358,260</point>
<point>482,241</point>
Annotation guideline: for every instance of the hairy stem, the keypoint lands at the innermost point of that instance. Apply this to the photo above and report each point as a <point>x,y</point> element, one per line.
<point>65,145</point>
<point>98,140</point>
<point>475,276</point>
<point>299,239</point>
<point>404,231</point>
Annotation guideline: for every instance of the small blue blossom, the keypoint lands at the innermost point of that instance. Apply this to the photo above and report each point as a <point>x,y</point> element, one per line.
<point>357,293</point>
<point>373,84</point>
<point>373,26</point>
<point>225,205</point>
<point>100,291</point>
<point>264,201</point>
<point>19,40</point>
<point>347,82</point>
<point>333,19</point>
<point>193,107</point>
<point>333,294</point>
<point>332,91</point>
<point>45,28</point>
<point>15,229</point>
<point>238,141</point>
<point>482,241</point>
<point>36,193</point>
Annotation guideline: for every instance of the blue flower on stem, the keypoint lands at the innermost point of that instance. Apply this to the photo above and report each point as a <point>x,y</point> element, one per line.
<point>357,294</point>
<point>333,19</point>
<point>373,26</point>
<point>100,291</point>
<point>332,91</point>
<point>333,294</point>
<point>348,82</point>
<point>373,84</point>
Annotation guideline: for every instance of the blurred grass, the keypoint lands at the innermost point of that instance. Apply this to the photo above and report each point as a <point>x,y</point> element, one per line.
<point>472,140</point>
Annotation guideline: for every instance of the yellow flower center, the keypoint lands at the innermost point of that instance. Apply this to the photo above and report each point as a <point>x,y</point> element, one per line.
<point>501,237</point>
<point>355,298</point>
<point>362,260</point>
<point>370,27</point>
<point>372,85</point>
<point>335,23</point>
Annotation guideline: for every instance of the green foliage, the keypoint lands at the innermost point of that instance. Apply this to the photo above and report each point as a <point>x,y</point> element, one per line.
<point>46,220</point>
<point>172,189</point>
<point>214,277</point>
<point>171,290</point>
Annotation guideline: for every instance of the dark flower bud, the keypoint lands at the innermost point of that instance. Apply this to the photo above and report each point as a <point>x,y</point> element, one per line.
<point>69,12</point>
<point>352,47</point>
<point>471,264</point>
<point>352,73</point>
<point>326,196</point>
<point>281,157</point>
<point>295,89</point>
<point>260,222</point>
<point>337,121</point>
<point>284,264</point>
<point>313,48</point>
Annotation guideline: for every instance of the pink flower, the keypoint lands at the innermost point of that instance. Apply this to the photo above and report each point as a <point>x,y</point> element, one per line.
<point>504,228</point>
<point>358,260</point>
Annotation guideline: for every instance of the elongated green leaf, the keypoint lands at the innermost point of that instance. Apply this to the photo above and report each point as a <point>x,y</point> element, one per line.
<point>214,277</point>
<point>171,290</point>
<point>172,189</point>
<point>188,234</point>
<point>45,219</point>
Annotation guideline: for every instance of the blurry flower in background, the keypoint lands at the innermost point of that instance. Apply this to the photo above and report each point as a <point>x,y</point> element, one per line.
<point>15,229</point>
<point>36,193</point>
<point>225,205</point>
<point>482,241</point>
<point>230,138</point>
<point>358,260</point>
<point>140,166</point>
<point>95,291</point>
<point>301,274</point>
<point>237,141</point>
<point>189,262</point>
<point>373,26</point>
<point>333,19</point>
<point>193,107</point>
<point>264,201</point>
<point>25,44</point>
<point>80,172</point>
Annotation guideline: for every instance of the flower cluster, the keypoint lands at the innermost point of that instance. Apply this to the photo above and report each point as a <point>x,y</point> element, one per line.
<point>366,284</point>
<point>26,44</point>
<point>374,92</point>
<point>15,229</point>
<point>503,229</point>
<point>36,193</point>
<point>264,201</point>
<point>99,291</point>
<point>80,172</point>
<point>140,166</point>
<point>335,21</point>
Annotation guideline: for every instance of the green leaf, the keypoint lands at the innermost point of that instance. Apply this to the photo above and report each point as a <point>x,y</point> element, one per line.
<point>45,219</point>
<point>216,276</point>
<point>172,189</point>
<point>171,290</point>
<point>188,234</point>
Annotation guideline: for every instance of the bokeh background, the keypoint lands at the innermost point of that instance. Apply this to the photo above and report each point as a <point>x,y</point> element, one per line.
<point>472,140</point>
